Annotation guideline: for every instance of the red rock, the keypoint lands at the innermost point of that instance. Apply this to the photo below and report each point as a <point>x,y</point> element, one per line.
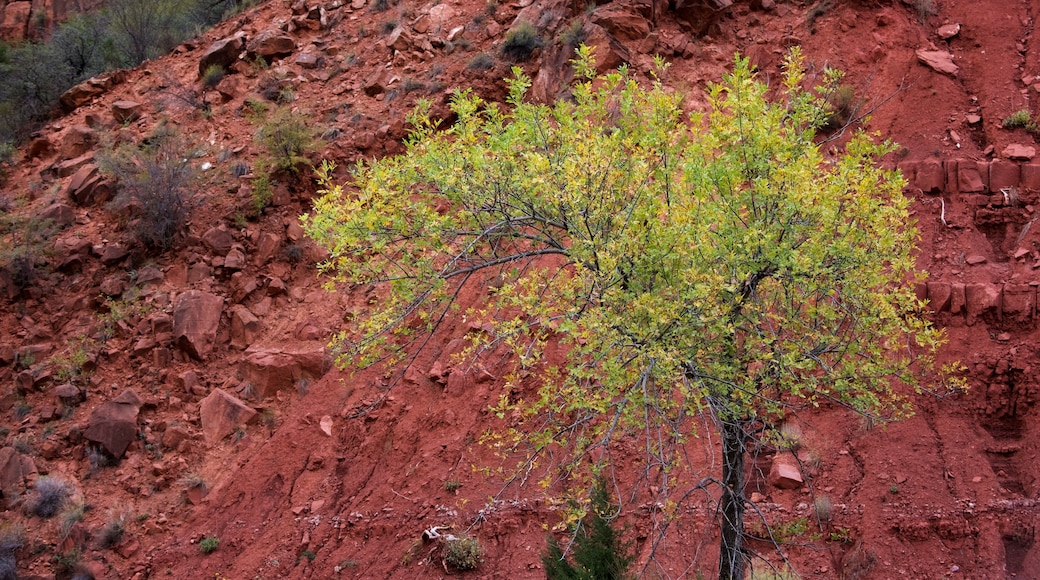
<point>957,298</point>
<point>621,21</point>
<point>270,44</point>
<point>1030,176</point>
<point>174,436</point>
<point>969,179</point>
<point>78,140</point>
<point>15,20</point>
<point>16,470</point>
<point>930,176</point>
<point>1019,301</point>
<point>784,472</point>
<point>1003,174</point>
<point>948,31</point>
<point>272,369</point>
<point>244,327</point>
<point>939,296</point>
<point>126,111</point>
<point>1019,152</point>
<point>222,413</point>
<point>196,317</point>
<point>938,60</point>
<point>223,53</point>
<point>980,299</point>
<point>88,186</point>
<point>699,15</point>
<point>84,92</point>
<point>58,214</point>
<point>113,424</point>
<point>218,240</point>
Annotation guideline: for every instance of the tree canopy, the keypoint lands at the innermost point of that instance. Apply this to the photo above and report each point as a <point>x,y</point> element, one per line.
<point>707,263</point>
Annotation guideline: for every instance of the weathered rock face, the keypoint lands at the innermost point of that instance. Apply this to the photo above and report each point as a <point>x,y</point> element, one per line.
<point>271,44</point>
<point>196,317</point>
<point>15,471</point>
<point>113,425</point>
<point>270,370</point>
<point>784,472</point>
<point>84,92</point>
<point>223,53</point>
<point>222,413</point>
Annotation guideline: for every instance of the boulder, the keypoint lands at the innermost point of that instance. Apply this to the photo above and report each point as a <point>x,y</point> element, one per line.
<point>16,471</point>
<point>980,299</point>
<point>113,425</point>
<point>58,214</point>
<point>623,22</point>
<point>84,92</point>
<point>68,394</point>
<point>1018,152</point>
<point>223,53</point>
<point>272,369</point>
<point>1003,174</point>
<point>15,20</point>
<point>88,186</point>
<point>969,178</point>
<point>938,60</point>
<point>126,111</point>
<point>948,31</point>
<point>235,259</point>
<point>78,139</point>
<point>699,15</point>
<point>271,44</point>
<point>784,472</point>
<point>196,316</point>
<point>222,413</point>
<point>244,327</point>
<point>218,240</point>
<point>174,436</point>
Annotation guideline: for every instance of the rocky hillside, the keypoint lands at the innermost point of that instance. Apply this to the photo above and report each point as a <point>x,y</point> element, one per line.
<point>180,407</point>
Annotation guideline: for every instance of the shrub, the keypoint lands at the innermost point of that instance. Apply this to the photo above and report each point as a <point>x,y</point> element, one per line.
<point>463,553</point>
<point>481,61</point>
<point>50,496</point>
<point>209,545</point>
<point>598,549</point>
<point>842,104</point>
<point>1021,119</point>
<point>11,540</point>
<point>23,249</point>
<point>574,34</point>
<point>288,139</point>
<point>154,182</point>
<point>521,41</point>
<point>112,533</point>
<point>824,508</point>
<point>7,152</point>
<point>70,516</point>
<point>212,76</point>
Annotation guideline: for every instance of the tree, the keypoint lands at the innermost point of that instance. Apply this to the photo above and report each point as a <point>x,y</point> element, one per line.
<point>599,553</point>
<point>716,264</point>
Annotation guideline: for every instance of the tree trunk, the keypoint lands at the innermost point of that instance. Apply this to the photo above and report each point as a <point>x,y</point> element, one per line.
<point>732,559</point>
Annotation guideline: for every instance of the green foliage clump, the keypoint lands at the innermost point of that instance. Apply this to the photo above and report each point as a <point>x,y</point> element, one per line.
<point>481,61</point>
<point>463,553</point>
<point>209,544</point>
<point>521,42</point>
<point>24,245</point>
<point>688,265</point>
<point>288,139</point>
<point>599,553</point>
<point>155,184</point>
<point>121,34</point>
<point>1021,119</point>
<point>212,76</point>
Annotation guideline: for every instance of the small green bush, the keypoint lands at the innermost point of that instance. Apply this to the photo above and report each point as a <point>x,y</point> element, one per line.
<point>12,538</point>
<point>112,533</point>
<point>463,553</point>
<point>209,545</point>
<point>212,76</point>
<point>598,549</point>
<point>288,139</point>
<point>521,42</point>
<point>1021,119</point>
